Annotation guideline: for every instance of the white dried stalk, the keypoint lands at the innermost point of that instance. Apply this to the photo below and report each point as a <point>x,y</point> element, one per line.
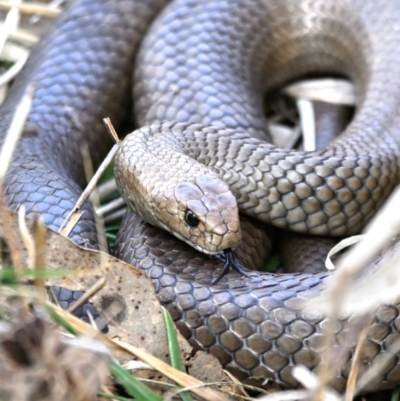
<point>307,123</point>
<point>330,90</point>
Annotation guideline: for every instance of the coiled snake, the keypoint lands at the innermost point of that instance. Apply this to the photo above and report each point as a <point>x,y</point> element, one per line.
<point>210,63</point>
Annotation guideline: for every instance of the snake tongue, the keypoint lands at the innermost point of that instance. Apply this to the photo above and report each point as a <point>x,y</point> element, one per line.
<point>232,261</point>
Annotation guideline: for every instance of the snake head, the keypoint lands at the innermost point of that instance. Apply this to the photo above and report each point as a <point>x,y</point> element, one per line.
<point>171,190</point>
<point>203,213</point>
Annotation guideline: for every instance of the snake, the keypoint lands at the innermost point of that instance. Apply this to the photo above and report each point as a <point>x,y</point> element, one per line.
<point>201,70</point>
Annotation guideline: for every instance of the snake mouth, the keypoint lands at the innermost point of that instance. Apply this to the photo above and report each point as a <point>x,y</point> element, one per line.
<point>206,251</point>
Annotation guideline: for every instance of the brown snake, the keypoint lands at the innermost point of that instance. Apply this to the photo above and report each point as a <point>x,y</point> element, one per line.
<point>196,69</point>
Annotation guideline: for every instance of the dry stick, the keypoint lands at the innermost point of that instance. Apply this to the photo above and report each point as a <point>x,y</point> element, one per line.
<point>241,387</point>
<point>307,123</point>
<point>31,8</point>
<point>26,236</point>
<point>92,321</point>
<point>111,130</point>
<point>72,219</point>
<point>94,289</point>
<point>109,207</point>
<point>54,4</point>
<point>371,373</point>
<point>35,248</point>
<point>40,257</point>
<point>107,188</point>
<point>329,90</point>
<point>184,380</point>
<point>355,363</point>
<point>10,24</point>
<point>117,215</point>
<point>89,188</point>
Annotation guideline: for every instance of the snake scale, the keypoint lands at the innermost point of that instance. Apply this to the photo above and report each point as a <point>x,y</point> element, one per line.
<point>209,64</point>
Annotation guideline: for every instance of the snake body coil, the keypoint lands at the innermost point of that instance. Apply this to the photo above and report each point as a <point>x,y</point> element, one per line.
<point>216,75</point>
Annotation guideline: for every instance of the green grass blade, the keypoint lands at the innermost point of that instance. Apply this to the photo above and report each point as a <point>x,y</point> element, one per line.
<point>132,385</point>
<point>111,236</point>
<point>176,360</point>
<point>9,276</point>
<point>395,394</point>
<point>61,321</point>
<point>272,264</point>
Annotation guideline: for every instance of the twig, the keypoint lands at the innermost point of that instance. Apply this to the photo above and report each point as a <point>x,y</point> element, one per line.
<point>110,206</point>
<point>32,8</point>
<point>72,219</point>
<point>107,188</point>
<point>54,4</point>
<point>111,130</point>
<point>40,257</point>
<point>119,214</point>
<point>15,131</point>
<point>307,123</point>
<point>355,363</point>
<point>94,289</point>
<point>93,182</point>
<point>10,23</point>
<point>334,91</point>
<point>26,236</point>
<point>376,368</point>
<point>85,194</point>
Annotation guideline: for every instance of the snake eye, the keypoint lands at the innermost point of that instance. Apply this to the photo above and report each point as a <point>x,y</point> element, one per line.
<point>191,218</point>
